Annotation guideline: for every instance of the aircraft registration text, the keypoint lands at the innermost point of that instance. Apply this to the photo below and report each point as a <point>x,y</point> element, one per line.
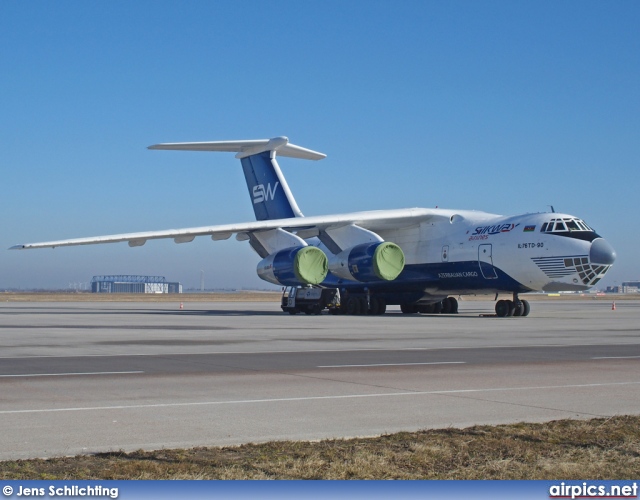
<point>540,244</point>
<point>465,274</point>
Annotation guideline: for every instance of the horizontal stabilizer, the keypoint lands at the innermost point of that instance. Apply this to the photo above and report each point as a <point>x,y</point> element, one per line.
<point>246,148</point>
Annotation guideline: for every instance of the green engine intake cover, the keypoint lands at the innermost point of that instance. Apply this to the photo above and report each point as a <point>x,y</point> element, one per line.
<point>388,261</point>
<point>311,265</point>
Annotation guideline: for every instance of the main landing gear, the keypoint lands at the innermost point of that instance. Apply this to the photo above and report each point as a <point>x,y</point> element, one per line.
<point>364,305</point>
<point>448,305</point>
<point>515,307</point>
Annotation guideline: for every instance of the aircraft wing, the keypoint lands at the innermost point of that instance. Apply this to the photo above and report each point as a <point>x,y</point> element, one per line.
<point>306,227</point>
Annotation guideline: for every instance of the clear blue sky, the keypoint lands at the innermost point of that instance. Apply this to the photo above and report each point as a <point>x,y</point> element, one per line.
<point>500,106</point>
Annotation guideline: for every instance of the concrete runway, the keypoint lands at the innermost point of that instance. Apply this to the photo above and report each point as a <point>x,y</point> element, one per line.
<point>88,377</point>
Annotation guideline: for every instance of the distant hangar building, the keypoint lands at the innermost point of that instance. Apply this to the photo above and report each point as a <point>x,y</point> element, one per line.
<point>125,283</point>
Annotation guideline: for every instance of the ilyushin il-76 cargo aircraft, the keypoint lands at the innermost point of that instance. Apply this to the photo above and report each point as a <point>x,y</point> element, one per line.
<point>418,258</point>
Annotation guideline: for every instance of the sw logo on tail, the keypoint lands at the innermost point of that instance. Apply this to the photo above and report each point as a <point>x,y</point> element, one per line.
<point>260,194</point>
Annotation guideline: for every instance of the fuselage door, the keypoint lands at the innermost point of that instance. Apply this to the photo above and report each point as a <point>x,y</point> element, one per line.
<point>485,260</point>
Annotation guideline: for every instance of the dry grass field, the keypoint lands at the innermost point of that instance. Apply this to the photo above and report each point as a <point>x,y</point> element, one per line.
<point>564,449</point>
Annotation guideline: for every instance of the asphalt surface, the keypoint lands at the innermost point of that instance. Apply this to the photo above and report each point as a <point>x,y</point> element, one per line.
<point>88,377</point>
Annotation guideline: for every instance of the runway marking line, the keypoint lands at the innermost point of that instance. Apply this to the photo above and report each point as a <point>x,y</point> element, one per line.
<point>617,357</point>
<point>67,374</point>
<point>444,348</point>
<point>395,364</point>
<point>316,398</point>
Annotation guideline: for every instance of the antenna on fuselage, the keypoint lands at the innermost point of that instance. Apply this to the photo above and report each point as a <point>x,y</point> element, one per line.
<point>553,210</point>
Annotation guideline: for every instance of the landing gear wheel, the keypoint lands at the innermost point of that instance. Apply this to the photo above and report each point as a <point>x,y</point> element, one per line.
<point>526,308</point>
<point>353,306</point>
<point>502,308</point>
<point>518,308</point>
<point>364,307</point>
<point>511,307</point>
<point>425,309</point>
<point>373,301</point>
<point>446,306</point>
<point>436,308</point>
<point>408,308</point>
<point>454,305</point>
<point>375,306</point>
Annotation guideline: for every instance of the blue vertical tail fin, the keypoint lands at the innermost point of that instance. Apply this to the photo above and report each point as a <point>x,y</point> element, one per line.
<point>268,188</point>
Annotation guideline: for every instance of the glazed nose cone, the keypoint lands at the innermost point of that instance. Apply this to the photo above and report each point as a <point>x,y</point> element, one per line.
<point>601,252</point>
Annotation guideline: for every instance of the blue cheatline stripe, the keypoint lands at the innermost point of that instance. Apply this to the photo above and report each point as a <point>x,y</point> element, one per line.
<point>409,285</point>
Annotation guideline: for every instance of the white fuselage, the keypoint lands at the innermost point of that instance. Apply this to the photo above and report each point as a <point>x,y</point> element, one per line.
<point>468,252</point>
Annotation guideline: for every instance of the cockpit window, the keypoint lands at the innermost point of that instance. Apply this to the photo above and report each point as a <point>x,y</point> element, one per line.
<point>564,225</point>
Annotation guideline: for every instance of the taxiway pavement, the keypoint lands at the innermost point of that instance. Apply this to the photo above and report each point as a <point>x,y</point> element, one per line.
<point>89,377</point>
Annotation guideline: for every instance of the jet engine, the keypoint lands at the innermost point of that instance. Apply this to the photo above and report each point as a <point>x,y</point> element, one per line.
<point>302,265</point>
<point>369,262</point>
